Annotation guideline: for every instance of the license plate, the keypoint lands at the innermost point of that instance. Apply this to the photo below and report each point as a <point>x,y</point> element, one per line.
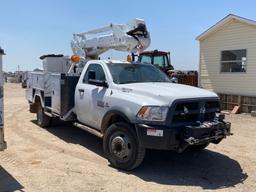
<point>155,132</point>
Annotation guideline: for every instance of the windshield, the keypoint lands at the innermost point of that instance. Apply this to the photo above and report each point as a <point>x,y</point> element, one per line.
<point>136,73</point>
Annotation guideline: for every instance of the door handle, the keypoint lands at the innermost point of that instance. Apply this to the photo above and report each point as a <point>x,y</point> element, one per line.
<point>81,90</point>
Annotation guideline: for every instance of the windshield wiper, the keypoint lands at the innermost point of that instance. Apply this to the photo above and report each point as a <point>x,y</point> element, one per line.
<point>160,81</point>
<point>127,82</point>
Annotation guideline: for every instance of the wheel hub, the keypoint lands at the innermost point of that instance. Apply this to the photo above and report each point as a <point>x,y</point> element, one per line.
<point>121,147</point>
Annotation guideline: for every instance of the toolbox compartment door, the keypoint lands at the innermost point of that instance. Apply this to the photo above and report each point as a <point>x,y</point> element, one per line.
<point>68,86</point>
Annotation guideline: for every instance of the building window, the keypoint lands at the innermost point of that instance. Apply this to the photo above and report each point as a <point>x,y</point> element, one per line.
<point>233,60</point>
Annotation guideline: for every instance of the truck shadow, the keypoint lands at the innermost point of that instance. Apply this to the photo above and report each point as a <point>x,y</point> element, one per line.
<point>207,169</point>
<point>8,182</point>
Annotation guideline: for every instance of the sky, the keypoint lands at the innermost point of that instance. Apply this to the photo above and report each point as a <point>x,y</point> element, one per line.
<point>31,28</point>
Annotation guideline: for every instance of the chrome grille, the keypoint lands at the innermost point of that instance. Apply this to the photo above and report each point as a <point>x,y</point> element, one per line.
<point>193,112</point>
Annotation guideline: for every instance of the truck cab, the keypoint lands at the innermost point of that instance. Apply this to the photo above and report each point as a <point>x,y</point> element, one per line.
<point>122,99</point>
<point>160,59</point>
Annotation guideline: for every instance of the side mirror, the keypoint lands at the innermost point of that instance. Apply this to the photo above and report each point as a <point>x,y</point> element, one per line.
<point>91,75</point>
<point>98,82</point>
<point>92,80</point>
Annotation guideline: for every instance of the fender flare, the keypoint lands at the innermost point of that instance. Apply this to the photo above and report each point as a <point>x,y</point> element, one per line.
<point>124,113</point>
<point>38,93</point>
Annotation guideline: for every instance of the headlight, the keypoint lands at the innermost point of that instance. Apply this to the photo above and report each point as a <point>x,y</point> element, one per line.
<point>152,113</point>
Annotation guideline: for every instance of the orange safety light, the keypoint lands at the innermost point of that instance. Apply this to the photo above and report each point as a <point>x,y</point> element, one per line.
<point>129,58</point>
<point>75,58</point>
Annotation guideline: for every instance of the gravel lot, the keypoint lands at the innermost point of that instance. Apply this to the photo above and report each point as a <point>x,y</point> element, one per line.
<point>64,158</point>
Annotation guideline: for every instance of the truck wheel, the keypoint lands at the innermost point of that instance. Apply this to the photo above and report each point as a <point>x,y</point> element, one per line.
<point>121,147</point>
<point>42,119</point>
<point>23,85</point>
<point>198,147</point>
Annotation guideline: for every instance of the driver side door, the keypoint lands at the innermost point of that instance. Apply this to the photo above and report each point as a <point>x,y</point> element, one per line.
<point>90,99</point>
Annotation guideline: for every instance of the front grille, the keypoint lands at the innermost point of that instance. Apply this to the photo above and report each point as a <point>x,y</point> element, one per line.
<point>193,112</point>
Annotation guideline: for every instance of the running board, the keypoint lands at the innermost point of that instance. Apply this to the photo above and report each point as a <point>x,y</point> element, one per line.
<point>88,129</point>
<point>69,116</point>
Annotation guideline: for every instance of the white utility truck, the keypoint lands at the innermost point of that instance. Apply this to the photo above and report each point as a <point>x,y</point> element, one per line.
<point>132,106</point>
<point>2,142</point>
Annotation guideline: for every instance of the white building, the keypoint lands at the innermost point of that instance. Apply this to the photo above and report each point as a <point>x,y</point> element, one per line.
<point>228,61</point>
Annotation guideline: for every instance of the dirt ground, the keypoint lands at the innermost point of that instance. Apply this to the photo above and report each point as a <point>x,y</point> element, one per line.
<point>65,158</point>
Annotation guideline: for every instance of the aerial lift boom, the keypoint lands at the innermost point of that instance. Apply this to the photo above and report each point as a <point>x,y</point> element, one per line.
<point>131,37</point>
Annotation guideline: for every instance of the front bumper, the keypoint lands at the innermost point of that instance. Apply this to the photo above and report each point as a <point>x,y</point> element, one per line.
<point>178,139</point>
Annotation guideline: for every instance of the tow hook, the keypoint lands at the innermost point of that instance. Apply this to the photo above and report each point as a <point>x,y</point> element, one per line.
<point>192,141</point>
<point>189,141</point>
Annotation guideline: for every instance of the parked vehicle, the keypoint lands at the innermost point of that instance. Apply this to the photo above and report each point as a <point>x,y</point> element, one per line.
<point>162,60</point>
<point>131,106</point>
<point>24,79</point>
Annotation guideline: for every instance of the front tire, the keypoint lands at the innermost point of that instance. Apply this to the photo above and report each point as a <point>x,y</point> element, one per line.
<point>42,119</point>
<point>121,146</point>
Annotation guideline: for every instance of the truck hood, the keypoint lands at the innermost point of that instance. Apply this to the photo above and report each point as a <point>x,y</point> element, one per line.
<point>166,92</point>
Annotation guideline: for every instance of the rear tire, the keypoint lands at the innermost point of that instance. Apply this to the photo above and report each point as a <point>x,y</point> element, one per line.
<point>198,147</point>
<point>121,146</point>
<point>42,119</point>
<point>23,85</point>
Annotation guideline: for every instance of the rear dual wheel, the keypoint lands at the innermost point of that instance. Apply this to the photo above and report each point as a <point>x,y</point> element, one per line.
<point>42,119</point>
